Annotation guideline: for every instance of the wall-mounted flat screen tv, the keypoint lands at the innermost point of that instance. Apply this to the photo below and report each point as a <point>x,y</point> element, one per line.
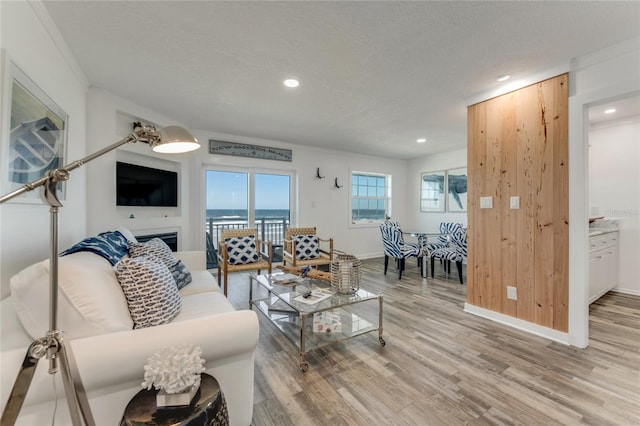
<point>145,186</point>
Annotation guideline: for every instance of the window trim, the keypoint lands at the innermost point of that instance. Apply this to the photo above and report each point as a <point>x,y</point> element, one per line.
<point>388,199</point>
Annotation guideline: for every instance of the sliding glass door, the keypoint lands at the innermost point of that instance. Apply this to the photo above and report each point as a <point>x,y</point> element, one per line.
<point>248,199</point>
<point>227,198</point>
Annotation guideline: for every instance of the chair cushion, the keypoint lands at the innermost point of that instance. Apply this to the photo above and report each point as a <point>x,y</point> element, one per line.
<point>110,245</point>
<point>203,282</point>
<point>242,250</point>
<point>202,304</point>
<point>412,250</point>
<point>435,246</point>
<point>447,253</point>
<point>150,290</point>
<point>307,247</point>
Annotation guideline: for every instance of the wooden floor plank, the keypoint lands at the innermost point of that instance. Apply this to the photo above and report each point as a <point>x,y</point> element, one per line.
<point>442,366</point>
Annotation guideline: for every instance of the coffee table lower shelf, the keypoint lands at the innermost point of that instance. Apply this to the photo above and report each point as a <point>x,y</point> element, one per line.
<point>296,321</point>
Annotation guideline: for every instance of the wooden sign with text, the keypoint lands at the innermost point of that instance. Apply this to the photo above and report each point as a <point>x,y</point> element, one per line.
<point>247,150</point>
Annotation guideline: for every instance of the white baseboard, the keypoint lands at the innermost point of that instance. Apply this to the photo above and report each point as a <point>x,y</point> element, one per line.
<point>370,255</point>
<point>630,291</point>
<point>538,330</point>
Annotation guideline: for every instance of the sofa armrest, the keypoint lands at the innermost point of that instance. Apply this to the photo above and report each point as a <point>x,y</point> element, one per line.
<point>117,359</point>
<point>193,260</point>
<point>220,337</point>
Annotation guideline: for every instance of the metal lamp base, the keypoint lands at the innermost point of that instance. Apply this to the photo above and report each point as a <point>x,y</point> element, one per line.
<point>53,348</point>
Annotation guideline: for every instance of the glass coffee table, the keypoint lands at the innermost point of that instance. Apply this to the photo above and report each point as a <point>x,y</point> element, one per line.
<point>311,315</point>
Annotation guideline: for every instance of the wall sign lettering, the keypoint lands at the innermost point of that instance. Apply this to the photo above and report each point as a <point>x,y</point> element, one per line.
<point>247,150</point>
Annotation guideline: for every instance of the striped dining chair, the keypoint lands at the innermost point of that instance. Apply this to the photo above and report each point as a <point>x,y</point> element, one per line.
<point>444,239</point>
<point>394,246</point>
<point>457,252</point>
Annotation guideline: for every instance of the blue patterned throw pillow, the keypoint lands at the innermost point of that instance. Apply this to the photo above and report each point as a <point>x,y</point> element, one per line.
<point>242,250</point>
<point>307,247</point>
<point>156,247</point>
<point>181,274</point>
<point>150,290</point>
<point>109,245</point>
<point>161,250</point>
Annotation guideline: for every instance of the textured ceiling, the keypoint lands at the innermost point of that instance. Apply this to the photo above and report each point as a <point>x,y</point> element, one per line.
<point>374,75</point>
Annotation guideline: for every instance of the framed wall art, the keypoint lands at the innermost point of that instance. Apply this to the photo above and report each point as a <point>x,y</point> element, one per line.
<point>457,190</point>
<point>444,190</point>
<point>34,133</point>
<point>432,191</point>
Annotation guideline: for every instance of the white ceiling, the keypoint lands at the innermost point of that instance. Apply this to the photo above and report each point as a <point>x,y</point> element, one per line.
<point>624,109</point>
<point>375,76</point>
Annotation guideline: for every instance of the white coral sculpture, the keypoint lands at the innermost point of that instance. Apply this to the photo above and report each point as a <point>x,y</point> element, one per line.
<point>174,369</point>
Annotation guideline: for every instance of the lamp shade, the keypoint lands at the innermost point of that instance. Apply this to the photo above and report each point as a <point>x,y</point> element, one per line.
<point>173,140</point>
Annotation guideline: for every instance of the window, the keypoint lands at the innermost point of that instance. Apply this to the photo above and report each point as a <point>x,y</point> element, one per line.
<point>370,197</point>
<point>247,198</point>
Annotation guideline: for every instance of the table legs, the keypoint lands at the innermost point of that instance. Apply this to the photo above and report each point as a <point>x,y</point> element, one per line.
<point>304,366</point>
<point>380,339</point>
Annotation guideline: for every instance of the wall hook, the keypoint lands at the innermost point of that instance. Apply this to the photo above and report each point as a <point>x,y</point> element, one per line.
<point>336,184</point>
<point>318,174</point>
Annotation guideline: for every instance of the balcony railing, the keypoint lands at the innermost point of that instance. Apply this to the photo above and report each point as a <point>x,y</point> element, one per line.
<point>269,229</point>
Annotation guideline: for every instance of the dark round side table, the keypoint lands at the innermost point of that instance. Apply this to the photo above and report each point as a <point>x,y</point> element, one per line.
<point>208,407</point>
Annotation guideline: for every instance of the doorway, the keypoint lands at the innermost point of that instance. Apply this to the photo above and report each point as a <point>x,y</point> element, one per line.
<point>248,198</point>
<point>613,137</point>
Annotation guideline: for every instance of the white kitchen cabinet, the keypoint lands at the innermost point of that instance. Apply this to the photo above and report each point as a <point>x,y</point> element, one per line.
<point>603,263</point>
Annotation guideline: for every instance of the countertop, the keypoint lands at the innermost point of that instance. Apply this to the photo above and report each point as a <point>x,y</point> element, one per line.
<point>599,231</point>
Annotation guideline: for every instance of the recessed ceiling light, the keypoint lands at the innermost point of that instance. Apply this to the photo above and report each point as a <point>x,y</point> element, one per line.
<point>421,140</point>
<point>291,82</point>
<point>504,77</point>
<point>610,111</point>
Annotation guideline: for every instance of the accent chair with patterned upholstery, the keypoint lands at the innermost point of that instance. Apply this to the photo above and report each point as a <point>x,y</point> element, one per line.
<point>242,250</point>
<point>302,247</point>
<point>456,253</point>
<point>394,246</point>
<point>444,240</point>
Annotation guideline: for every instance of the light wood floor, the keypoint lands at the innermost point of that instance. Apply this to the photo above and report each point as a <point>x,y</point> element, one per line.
<point>442,366</point>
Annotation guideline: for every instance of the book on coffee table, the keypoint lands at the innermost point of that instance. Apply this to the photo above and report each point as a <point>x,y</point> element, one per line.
<point>314,296</point>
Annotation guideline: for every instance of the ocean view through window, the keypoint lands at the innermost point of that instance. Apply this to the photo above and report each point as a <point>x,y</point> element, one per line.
<point>370,197</point>
<point>245,199</point>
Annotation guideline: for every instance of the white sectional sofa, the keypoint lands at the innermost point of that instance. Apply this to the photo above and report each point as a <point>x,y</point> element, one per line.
<point>110,354</point>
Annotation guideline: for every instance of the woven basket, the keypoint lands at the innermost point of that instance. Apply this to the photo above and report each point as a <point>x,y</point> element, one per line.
<point>345,273</point>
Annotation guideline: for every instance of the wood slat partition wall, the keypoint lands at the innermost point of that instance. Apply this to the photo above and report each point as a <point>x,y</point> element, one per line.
<point>518,146</point>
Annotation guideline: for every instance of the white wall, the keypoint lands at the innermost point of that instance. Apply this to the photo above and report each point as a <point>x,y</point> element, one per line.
<point>602,75</point>
<point>608,73</point>
<point>614,192</point>
<point>28,39</point>
<point>319,203</point>
<point>109,119</point>
<point>429,221</point>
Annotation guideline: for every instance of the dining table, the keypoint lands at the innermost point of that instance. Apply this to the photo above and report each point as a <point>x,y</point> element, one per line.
<point>426,235</point>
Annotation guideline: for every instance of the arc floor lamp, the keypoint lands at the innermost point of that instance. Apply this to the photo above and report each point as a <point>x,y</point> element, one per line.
<point>171,139</point>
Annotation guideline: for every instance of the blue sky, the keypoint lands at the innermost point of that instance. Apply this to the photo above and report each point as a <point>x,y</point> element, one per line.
<point>228,190</point>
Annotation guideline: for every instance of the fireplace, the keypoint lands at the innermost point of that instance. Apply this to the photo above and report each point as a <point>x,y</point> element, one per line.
<point>171,238</point>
